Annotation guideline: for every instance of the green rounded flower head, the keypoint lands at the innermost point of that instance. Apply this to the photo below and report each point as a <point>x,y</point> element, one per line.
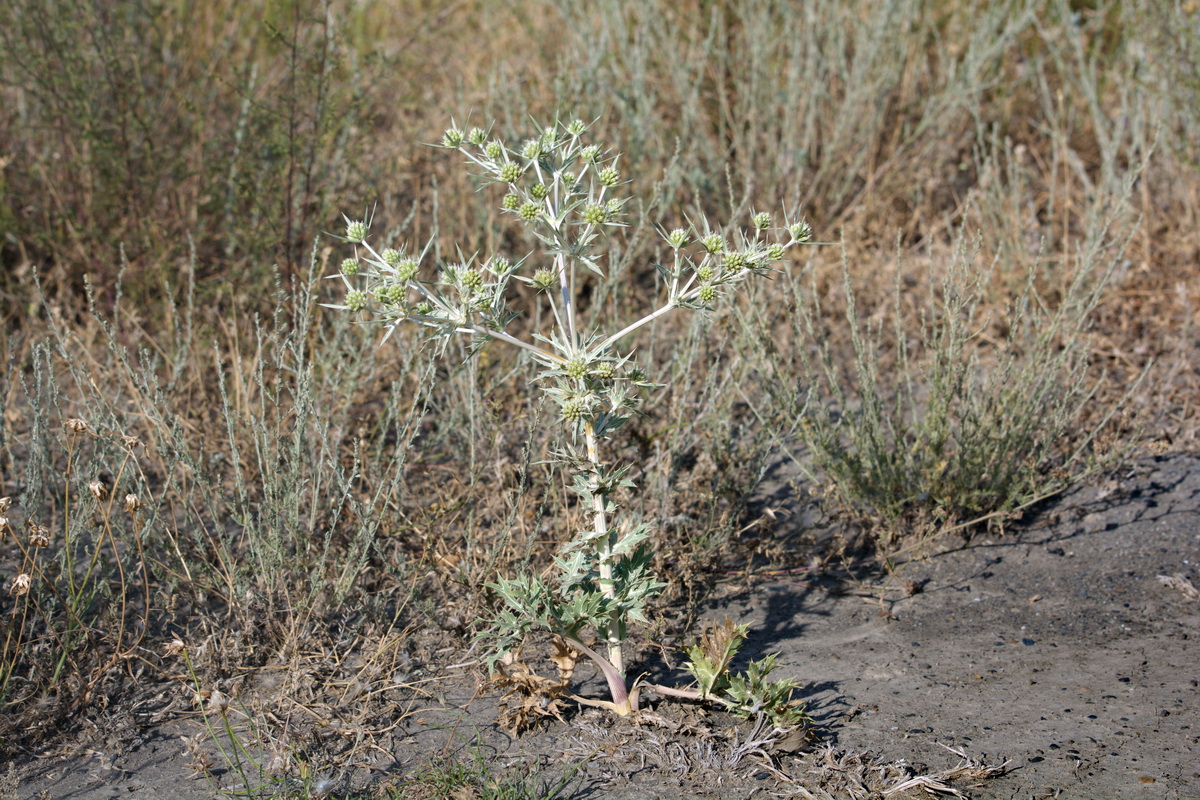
<point>762,220</point>
<point>349,267</point>
<point>590,153</point>
<point>510,202</point>
<point>576,128</point>
<point>734,262</point>
<point>704,273</point>
<point>610,177</point>
<point>677,238</point>
<point>576,367</point>
<point>493,150</point>
<point>800,231</point>
<point>356,231</point>
<point>604,370</point>
<point>539,191</point>
<point>595,214</point>
<point>511,172</point>
<point>356,300</point>
<point>531,149</point>
<point>500,266</point>
<point>425,308</point>
<point>775,252</point>
<point>707,293</point>
<point>406,270</point>
<point>543,279</point>
<point>470,278</point>
<point>576,408</point>
<point>529,210</point>
<point>390,256</point>
<point>453,137</point>
<point>713,243</point>
<point>477,136</point>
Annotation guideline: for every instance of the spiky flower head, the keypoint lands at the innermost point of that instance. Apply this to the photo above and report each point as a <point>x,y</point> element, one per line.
<point>394,294</point>
<point>549,135</point>
<point>406,270</point>
<point>511,172</point>
<point>677,238</point>
<point>539,191</point>
<point>356,231</point>
<point>713,243</point>
<point>801,231</point>
<point>510,202</point>
<point>356,300</point>
<point>470,278</point>
<point>453,137</point>
<point>575,408</point>
<point>707,293</point>
<point>604,370</point>
<point>531,149</point>
<point>76,425</point>
<point>543,279</point>
<point>595,214</point>
<point>477,136</point>
<point>424,308</point>
<point>610,176</point>
<point>391,256</point>
<point>529,211</point>
<point>20,585</point>
<point>704,273</point>
<point>493,150</point>
<point>349,267</point>
<point>132,503</point>
<point>775,252</point>
<point>734,262</point>
<point>500,266</point>
<point>613,205</point>
<point>576,367</point>
<point>762,220</point>
<point>576,128</point>
<point>590,153</point>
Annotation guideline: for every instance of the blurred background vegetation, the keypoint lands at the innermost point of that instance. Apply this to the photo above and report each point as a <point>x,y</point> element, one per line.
<point>1010,189</point>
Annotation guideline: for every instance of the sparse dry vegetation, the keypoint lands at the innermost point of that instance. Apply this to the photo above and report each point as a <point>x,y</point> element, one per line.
<point>194,452</point>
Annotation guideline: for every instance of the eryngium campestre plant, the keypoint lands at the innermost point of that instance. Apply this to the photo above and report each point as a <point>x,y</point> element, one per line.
<point>565,190</point>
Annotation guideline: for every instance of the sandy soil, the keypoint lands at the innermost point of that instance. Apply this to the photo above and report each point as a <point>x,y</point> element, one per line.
<point>1055,648</point>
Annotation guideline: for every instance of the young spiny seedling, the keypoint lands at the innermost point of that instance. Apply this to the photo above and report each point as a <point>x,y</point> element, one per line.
<point>565,190</point>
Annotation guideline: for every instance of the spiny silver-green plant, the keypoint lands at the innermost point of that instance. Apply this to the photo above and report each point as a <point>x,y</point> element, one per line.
<point>565,189</point>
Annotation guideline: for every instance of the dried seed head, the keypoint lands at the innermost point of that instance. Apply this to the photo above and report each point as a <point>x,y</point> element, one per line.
<point>130,441</point>
<point>76,426</point>
<point>20,585</point>
<point>174,647</point>
<point>98,490</point>
<point>132,503</point>
<point>5,504</point>
<point>39,535</point>
<point>218,701</point>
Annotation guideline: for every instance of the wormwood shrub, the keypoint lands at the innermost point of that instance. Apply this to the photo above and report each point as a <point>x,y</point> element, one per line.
<point>565,190</point>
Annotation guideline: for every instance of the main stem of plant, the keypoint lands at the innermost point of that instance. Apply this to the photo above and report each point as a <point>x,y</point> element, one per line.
<point>605,542</point>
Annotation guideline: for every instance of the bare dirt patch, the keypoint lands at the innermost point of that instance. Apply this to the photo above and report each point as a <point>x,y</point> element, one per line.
<point>1056,648</point>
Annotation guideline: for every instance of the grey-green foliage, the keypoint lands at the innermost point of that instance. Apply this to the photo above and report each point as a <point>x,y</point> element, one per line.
<point>565,190</point>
